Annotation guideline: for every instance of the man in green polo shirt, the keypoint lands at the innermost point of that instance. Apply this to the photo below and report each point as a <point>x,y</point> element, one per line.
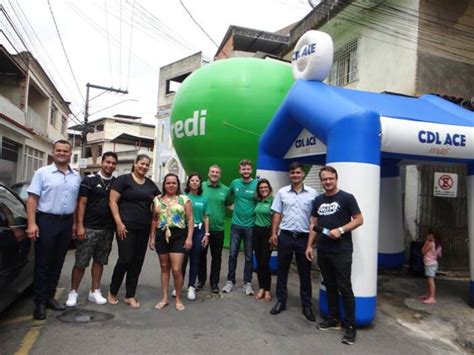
<point>243,220</point>
<point>218,198</point>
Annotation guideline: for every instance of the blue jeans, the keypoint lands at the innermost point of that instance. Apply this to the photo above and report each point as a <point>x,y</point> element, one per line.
<point>236,233</point>
<point>194,255</point>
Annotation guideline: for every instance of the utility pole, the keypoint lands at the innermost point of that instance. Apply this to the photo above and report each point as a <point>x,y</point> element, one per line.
<point>85,127</point>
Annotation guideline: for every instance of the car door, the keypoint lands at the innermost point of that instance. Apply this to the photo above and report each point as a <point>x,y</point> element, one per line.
<point>15,247</point>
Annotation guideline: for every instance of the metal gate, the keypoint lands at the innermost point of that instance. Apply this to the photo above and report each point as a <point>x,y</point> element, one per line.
<point>447,217</point>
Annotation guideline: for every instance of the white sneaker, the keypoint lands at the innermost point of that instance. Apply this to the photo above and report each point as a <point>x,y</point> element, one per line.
<point>191,293</point>
<point>72,299</point>
<point>248,289</point>
<point>97,297</point>
<point>173,293</point>
<point>228,287</point>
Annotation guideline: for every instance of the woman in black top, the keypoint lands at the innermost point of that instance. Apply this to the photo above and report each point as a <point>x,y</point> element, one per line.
<point>130,201</point>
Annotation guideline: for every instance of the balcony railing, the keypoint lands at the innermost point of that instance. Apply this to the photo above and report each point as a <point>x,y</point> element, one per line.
<point>9,109</point>
<point>36,122</point>
<point>132,154</point>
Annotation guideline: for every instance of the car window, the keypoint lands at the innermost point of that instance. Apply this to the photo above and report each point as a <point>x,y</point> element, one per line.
<point>21,190</point>
<point>12,210</point>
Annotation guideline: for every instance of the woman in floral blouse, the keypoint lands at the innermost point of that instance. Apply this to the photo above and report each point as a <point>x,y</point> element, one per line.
<point>170,235</point>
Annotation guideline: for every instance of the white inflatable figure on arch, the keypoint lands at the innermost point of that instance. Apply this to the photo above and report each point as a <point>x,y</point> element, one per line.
<point>364,136</point>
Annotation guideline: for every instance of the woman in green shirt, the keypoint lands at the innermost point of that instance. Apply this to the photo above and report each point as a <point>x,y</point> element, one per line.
<point>201,230</point>
<point>261,238</point>
<point>172,213</point>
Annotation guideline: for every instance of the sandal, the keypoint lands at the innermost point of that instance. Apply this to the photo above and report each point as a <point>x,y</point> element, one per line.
<point>180,307</point>
<point>132,302</point>
<point>161,305</point>
<point>112,299</point>
<point>259,294</point>
<point>268,296</point>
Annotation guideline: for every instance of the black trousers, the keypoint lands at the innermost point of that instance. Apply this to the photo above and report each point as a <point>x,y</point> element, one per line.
<point>216,243</point>
<point>55,234</point>
<point>261,248</point>
<point>131,251</point>
<point>289,243</point>
<point>336,271</point>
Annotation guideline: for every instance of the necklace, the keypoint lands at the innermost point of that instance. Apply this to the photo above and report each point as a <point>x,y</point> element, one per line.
<point>106,186</point>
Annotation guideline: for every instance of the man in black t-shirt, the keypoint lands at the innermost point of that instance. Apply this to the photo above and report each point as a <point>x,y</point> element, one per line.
<point>95,229</point>
<point>335,214</point>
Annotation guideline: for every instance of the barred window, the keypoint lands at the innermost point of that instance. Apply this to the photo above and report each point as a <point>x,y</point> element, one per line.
<point>344,69</point>
<point>52,115</point>
<point>33,160</point>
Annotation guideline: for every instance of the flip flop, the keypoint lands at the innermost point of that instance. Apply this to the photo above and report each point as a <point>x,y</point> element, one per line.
<point>161,305</point>
<point>180,307</point>
<point>132,302</point>
<point>112,299</point>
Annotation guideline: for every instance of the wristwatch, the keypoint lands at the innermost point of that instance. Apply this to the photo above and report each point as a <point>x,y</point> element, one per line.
<point>341,230</point>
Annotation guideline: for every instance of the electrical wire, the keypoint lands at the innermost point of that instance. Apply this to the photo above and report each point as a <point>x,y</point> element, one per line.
<point>197,23</point>
<point>108,42</point>
<point>64,49</point>
<point>130,44</point>
<point>44,51</point>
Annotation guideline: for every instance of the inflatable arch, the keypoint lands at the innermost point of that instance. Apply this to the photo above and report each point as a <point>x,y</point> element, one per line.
<point>364,136</point>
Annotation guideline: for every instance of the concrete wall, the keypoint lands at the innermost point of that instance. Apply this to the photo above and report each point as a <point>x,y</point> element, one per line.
<point>446,48</point>
<point>174,70</point>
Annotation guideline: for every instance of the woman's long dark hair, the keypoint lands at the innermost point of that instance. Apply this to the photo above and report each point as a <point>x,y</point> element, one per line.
<point>188,188</point>
<point>257,190</point>
<point>178,191</point>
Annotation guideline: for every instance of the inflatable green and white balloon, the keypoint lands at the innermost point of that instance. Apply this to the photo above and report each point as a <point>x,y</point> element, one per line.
<point>220,111</point>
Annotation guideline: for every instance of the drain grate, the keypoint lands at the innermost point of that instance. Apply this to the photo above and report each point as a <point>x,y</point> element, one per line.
<point>84,316</point>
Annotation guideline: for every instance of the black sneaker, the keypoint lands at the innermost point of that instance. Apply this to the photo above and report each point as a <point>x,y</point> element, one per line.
<point>349,336</point>
<point>329,324</point>
<point>199,286</point>
<point>215,288</point>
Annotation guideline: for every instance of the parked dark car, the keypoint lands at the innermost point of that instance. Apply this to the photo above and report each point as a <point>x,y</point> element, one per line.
<point>16,250</point>
<point>21,189</point>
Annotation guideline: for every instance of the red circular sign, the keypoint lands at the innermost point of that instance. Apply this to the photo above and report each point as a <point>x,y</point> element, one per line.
<point>445,182</point>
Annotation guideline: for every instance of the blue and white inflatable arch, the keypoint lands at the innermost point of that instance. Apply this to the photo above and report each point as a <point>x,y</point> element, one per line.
<point>364,136</point>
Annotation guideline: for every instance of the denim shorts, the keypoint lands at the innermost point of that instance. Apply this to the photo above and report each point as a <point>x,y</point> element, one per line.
<point>430,270</point>
<point>97,245</point>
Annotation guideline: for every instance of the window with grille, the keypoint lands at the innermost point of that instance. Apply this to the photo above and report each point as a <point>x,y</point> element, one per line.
<point>344,69</point>
<point>52,116</point>
<point>33,160</point>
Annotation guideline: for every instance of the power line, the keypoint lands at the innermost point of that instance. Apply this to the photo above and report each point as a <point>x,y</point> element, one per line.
<point>108,42</point>
<point>64,49</point>
<point>197,23</point>
<point>38,40</point>
<point>130,44</point>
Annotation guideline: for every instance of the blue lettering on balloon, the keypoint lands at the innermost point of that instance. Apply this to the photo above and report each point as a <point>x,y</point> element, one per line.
<point>428,137</point>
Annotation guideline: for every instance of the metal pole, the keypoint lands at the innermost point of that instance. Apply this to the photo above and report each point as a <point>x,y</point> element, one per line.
<point>85,127</point>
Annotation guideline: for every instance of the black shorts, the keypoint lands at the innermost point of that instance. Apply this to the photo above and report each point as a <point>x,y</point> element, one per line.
<point>175,244</point>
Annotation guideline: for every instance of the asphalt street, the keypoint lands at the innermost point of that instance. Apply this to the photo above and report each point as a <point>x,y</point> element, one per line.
<point>213,324</point>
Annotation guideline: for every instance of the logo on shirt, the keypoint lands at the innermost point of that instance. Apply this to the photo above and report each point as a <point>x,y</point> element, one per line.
<point>327,209</point>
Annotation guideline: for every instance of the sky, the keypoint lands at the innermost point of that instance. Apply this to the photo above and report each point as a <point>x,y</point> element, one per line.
<point>123,43</point>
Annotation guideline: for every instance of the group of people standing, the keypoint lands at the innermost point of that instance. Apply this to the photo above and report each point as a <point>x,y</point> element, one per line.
<point>184,226</point>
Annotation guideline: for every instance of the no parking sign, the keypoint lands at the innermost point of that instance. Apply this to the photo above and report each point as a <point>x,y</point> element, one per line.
<point>445,185</point>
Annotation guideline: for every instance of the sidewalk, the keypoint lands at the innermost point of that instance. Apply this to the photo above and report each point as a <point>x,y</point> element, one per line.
<point>450,320</point>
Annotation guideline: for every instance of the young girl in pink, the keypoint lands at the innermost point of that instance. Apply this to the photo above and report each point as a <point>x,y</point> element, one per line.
<point>431,251</point>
